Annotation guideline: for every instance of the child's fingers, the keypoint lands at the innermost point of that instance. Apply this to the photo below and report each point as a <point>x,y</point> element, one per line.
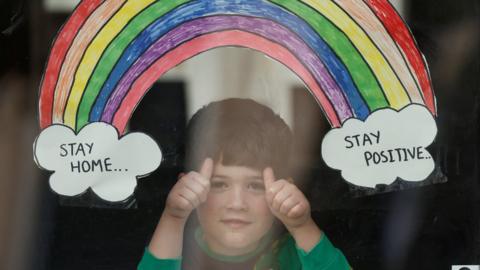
<point>207,169</point>
<point>281,196</point>
<point>277,186</point>
<point>190,196</point>
<point>181,204</point>
<point>288,204</point>
<point>297,211</point>
<point>268,177</point>
<point>197,187</point>
<point>272,190</point>
<point>197,177</point>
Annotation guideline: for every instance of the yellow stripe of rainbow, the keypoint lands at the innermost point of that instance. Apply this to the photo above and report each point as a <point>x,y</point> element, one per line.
<point>394,90</point>
<point>94,52</point>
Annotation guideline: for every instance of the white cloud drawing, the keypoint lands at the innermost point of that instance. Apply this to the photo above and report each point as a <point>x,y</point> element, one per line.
<point>95,158</point>
<point>389,144</point>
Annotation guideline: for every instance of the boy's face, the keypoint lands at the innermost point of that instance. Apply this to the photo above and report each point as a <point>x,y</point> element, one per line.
<point>235,215</point>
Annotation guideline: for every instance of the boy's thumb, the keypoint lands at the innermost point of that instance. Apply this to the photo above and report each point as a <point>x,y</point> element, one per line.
<point>207,168</point>
<point>268,177</point>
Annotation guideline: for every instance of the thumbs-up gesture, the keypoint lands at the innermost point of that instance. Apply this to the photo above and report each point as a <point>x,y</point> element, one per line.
<point>286,201</point>
<point>189,192</point>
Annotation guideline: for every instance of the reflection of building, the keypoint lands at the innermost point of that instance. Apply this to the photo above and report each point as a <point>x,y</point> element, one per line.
<point>234,72</point>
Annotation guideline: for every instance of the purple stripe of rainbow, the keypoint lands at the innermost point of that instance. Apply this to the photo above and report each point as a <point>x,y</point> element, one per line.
<point>205,25</point>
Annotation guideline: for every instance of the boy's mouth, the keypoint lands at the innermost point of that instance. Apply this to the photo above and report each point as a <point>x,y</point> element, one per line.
<point>235,223</point>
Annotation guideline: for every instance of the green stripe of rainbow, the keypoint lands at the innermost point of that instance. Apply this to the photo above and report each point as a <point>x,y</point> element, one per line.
<point>346,52</point>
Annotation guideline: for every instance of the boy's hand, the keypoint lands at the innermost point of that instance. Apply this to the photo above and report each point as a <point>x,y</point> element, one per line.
<point>189,192</point>
<point>286,201</point>
<point>291,207</point>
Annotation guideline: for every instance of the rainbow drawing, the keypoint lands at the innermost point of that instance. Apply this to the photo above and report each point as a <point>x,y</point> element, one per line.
<point>355,56</point>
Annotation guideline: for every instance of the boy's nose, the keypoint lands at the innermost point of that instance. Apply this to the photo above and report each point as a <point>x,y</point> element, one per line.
<point>237,200</point>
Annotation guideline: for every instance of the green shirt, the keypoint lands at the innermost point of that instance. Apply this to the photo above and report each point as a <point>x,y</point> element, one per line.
<point>281,254</point>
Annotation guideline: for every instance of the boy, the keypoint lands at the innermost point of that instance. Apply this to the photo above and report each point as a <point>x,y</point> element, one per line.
<point>236,150</point>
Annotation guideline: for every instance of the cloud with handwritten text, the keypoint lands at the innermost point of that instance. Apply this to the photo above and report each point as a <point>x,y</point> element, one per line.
<point>389,144</point>
<point>96,158</point>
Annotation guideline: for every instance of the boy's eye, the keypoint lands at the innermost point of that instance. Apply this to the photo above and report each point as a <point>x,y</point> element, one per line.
<point>256,186</point>
<point>218,185</point>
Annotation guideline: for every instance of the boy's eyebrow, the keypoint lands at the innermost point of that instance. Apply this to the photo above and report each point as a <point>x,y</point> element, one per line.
<point>220,176</point>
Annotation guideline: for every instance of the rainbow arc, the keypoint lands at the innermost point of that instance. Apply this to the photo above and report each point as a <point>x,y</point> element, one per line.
<point>354,56</point>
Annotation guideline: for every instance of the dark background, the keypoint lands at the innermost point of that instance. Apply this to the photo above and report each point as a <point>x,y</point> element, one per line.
<point>405,226</point>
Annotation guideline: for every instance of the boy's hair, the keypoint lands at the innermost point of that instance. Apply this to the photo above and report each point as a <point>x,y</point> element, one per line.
<point>239,132</point>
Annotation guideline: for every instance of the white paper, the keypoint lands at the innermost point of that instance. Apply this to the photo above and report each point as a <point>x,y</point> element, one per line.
<point>389,144</point>
<point>95,158</point>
